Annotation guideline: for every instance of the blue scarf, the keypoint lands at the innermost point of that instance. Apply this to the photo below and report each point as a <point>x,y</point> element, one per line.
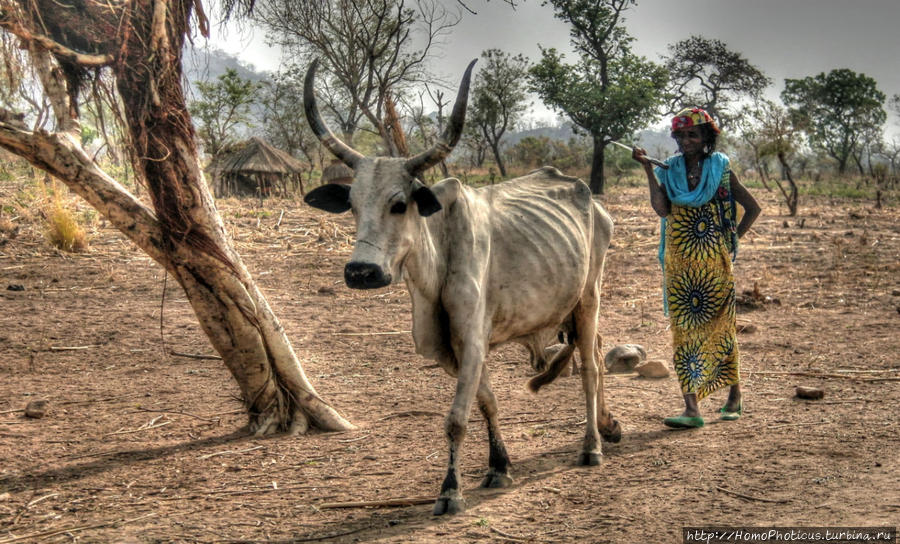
<point>674,181</point>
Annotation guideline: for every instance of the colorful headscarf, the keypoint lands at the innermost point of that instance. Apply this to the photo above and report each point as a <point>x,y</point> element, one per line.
<point>691,117</point>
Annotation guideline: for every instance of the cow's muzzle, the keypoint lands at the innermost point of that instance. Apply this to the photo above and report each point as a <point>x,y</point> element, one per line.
<point>365,276</point>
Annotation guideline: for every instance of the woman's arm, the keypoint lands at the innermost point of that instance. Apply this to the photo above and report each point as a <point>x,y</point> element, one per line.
<point>743,197</point>
<point>658,199</point>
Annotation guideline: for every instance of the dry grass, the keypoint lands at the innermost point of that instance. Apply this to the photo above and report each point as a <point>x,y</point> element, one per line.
<point>63,231</point>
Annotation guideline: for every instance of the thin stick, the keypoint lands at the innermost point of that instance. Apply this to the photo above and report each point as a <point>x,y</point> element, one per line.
<point>228,452</point>
<point>174,353</point>
<point>358,438</point>
<point>280,217</point>
<point>142,428</point>
<point>12,411</point>
<point>380,503</point>
<point>823,375</point>
<point>72,348</point>
<point>509,536</point>
<point>175,412</point>
<point>73,529</point>
<point>35,501</point>
<point>750,497</point>
<point>385,333</point>
<point>410,413</point>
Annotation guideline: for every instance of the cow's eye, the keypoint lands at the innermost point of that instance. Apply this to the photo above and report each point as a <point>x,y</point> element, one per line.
<point>398,207</point>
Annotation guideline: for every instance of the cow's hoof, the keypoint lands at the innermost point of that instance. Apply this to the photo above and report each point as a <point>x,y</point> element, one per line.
<point>496,479</point>
<point>612,434</point>
<point>589,459</point>
<point>448,505</point>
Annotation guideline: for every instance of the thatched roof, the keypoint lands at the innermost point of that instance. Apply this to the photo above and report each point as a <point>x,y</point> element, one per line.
<point>258,156</point>
<point>337,172</point>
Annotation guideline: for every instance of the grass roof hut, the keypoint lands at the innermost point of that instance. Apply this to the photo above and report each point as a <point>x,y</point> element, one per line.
<point>337,172</point>
<point>255,168</point>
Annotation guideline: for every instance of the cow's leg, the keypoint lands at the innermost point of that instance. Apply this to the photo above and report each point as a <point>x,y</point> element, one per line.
<point>498,459</point>
<point>608,427</point>
<point>586,314</point>
<point>471,359</point>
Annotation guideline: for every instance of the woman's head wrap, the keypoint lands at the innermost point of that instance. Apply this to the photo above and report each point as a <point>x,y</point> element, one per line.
<point>691,117</point>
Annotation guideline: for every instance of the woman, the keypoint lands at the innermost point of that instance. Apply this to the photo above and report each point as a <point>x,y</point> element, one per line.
<point>695,197</point>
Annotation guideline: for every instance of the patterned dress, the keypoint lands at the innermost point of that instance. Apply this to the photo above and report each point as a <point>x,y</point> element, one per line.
<point>699,286</point>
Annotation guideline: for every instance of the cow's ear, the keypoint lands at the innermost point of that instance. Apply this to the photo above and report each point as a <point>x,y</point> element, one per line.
<point>426,202</point>
<point>331,197</point>
<point>446,191</point>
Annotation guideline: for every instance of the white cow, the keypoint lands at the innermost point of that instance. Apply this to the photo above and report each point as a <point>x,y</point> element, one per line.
<point>513,262</point>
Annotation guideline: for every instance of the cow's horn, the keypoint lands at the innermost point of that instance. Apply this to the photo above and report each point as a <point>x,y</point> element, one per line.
<point>340,150</point>
<point>444,146</point>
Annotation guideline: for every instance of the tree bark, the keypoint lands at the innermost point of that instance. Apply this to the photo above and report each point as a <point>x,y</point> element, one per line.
<point>184,232</point>
<point>597,161</point>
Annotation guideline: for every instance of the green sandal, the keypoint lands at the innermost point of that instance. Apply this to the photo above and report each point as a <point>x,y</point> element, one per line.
<point>684,422</point>
<point>731,416</point>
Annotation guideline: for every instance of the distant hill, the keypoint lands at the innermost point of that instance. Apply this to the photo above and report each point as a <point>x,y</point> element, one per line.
<point>202,64</point>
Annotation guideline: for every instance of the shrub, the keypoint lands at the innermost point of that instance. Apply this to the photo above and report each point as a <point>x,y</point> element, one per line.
<point>63,231</point>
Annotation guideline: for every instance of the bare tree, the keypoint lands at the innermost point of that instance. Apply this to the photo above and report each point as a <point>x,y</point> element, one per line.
<point>282,117</point>
<point>779,136</point>
<point>140,42</point>
<point>367,47</point>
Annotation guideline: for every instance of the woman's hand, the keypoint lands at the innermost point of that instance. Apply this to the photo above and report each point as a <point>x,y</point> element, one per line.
<point>640,155</point>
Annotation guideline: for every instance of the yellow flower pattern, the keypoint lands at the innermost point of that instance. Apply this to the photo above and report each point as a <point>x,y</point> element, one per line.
<point>699,285</point>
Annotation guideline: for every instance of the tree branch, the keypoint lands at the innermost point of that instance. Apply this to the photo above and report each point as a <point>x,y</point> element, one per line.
<point>58,49</point>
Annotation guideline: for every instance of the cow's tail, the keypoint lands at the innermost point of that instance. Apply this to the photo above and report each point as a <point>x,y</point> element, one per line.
<point>562,358</point>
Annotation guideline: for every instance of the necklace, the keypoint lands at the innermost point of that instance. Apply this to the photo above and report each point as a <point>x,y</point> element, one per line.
<point>693,175</point>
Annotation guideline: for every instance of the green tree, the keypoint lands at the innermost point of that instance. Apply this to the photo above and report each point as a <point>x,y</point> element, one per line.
<point>704,72</point>
<point>608,92</point>
<point>223,106</point>
<point>838,110</point>
<point>499,97</point>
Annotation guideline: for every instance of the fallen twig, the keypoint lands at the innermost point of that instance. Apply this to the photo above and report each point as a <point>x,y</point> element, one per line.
<point>383,333</point>
<point>410,413</point>
<point>228,452</point>
<point>174,353</point>
<point>507,535</point>
<point>378,503</point>
<point>358,438</point>
<point>12,411</point>
<point>845,376</point>
<point>752,498</point>
<point>72,348</point>
<point>175,412</point>
<point>64,530</point>
<point>152,424</point>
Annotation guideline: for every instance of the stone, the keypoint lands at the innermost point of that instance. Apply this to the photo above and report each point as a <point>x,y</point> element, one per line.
<point>624,358</point>
<point>812,393</point>
<point>653,369</point>
<point>37,409</point>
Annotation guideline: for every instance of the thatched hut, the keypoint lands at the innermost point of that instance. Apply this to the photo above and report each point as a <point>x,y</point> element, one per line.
<point>337,172</point>
<point>255,168</point>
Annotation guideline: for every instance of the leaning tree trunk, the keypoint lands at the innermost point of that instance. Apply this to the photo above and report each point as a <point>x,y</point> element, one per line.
<point>185,233</point>
<point>597,163</point>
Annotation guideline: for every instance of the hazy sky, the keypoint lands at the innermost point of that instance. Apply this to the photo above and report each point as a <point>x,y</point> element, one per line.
<point>784,38</point>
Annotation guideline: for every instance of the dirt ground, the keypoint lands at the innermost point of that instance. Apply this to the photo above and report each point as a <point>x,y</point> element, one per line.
<point>142,446</point>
